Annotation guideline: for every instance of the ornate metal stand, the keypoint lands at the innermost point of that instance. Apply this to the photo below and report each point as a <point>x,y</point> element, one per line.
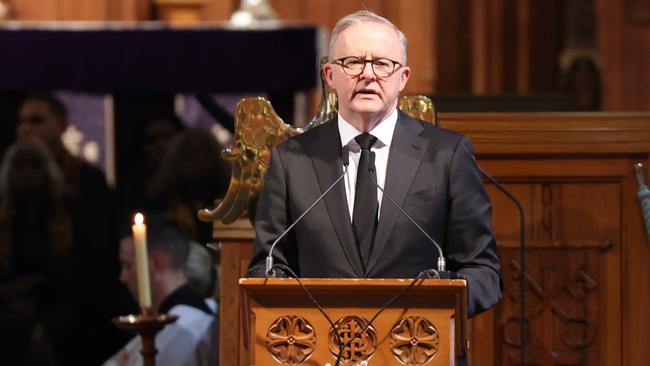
<point>146,325</point>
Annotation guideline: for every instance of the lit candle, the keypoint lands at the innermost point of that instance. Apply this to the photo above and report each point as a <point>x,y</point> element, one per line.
<point>141,260</point>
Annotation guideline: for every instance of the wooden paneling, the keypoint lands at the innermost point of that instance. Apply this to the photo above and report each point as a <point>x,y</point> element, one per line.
<point>552,133</point>
<point>236,250</point>
<point>86,10</point>
<point>573,231</point>
<point>96,10</point>
<point>522,9</point>
<point>574,177</point>
<point>129,10</point>
<point>634,285</point>
<point>414,18</point>
<point>36,10</point>
<point>545,44</point>
<point>637,11</point>
<point>481,33</point>
<point>601,221</point>
<point>563,315</point>
<point>573,211</point>
<point>624,45</point>
<point>219,10</point>
<point>453,46</point>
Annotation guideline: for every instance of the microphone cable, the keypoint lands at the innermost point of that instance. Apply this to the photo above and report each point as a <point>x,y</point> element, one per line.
<point>442,264</point>
<point>311,297</point>
<point>522,266</point>
<point>333,327</point>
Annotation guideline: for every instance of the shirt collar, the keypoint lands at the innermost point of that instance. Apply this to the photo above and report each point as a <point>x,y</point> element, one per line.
<point>183,295</point>
<point>383,131</point>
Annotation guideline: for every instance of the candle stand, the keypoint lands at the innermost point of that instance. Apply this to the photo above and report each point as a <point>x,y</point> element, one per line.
<point>146,325</point>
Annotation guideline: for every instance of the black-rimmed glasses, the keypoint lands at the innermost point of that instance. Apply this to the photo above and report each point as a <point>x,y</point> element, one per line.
<point>382,67</point>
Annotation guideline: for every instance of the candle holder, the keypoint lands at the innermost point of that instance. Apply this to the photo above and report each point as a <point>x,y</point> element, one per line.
<point>146,325</point>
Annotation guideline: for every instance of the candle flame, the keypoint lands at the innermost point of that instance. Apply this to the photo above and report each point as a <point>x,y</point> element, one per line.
<point>138,219</point>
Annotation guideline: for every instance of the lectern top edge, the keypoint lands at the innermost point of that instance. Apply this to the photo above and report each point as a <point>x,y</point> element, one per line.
<point>351,282</point>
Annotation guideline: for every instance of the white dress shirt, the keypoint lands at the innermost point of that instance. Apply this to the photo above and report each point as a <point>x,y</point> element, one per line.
<point>384,134</point>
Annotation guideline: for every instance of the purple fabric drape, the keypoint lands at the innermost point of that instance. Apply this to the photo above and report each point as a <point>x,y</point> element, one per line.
<point>214,60</point>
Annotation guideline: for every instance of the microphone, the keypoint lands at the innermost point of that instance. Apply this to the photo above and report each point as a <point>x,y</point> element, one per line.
<point>522,266</point>
<point>345,157</point>
<point>441,271</point>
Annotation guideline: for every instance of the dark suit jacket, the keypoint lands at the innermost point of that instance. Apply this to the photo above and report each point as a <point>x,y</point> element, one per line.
<point>431,173</point>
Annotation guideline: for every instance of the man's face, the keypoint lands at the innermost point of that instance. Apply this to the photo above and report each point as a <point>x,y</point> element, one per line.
<point>366,95</point>
<point>35,118</point>
<point>128,272</point>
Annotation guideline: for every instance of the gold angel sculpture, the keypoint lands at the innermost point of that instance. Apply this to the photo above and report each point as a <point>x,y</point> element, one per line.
<point>257,130</point>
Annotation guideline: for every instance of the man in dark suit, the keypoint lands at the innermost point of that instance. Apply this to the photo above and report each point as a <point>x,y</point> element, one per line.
<point>355,231</point>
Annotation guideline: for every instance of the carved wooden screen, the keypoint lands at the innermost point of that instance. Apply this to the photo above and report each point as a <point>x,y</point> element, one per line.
<point>586,255</point>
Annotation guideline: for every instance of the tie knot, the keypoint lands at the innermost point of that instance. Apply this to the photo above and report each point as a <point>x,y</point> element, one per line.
<point>366,140</point>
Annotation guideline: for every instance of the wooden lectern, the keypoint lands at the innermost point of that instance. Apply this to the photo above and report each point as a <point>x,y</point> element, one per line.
<point>425,325</point>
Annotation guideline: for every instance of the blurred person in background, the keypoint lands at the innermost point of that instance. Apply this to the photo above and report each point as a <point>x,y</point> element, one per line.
<point>192,339</point>
<point>152,139</point>
<point>202,274</point>
<point>44,116</point>
<point>36,241</point>
<point>50,291</point>
<point>192,175</point>
<point>90,209</point>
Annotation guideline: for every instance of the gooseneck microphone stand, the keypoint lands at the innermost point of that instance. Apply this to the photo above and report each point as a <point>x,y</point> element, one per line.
<point>522,268</point>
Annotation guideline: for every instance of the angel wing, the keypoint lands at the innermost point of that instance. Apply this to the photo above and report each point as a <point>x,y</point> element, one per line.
<point>257,129</point>
<point>419,107</point>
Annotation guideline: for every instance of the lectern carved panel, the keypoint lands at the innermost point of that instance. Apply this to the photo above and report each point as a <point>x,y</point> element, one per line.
<point>414,340</point>
<point>359,339</point>
<point>291,339</point>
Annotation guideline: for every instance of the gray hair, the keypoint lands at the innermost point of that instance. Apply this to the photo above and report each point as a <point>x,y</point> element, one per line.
<point>200,270</point>
<point>363,16</point>
<point>56,180</point>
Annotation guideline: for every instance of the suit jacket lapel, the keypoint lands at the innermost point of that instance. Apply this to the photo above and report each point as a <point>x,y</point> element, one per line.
<point>406,152</point>
<point>326,160</point>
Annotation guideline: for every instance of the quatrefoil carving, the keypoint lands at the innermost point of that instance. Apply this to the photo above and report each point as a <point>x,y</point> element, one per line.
<point>414,340</point>
<point>291,339</point>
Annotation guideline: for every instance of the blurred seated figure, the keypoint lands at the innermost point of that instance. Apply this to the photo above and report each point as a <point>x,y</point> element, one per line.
<point>202,273</point>
<point>152,138</point>
<point>90,277</point>
<point>44,116</point>
<point>191,177</point>
<point>36,248</point>
<point>192,339</point>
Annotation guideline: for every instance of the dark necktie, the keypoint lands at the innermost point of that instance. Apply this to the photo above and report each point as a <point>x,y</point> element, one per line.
<point>364,218</point>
